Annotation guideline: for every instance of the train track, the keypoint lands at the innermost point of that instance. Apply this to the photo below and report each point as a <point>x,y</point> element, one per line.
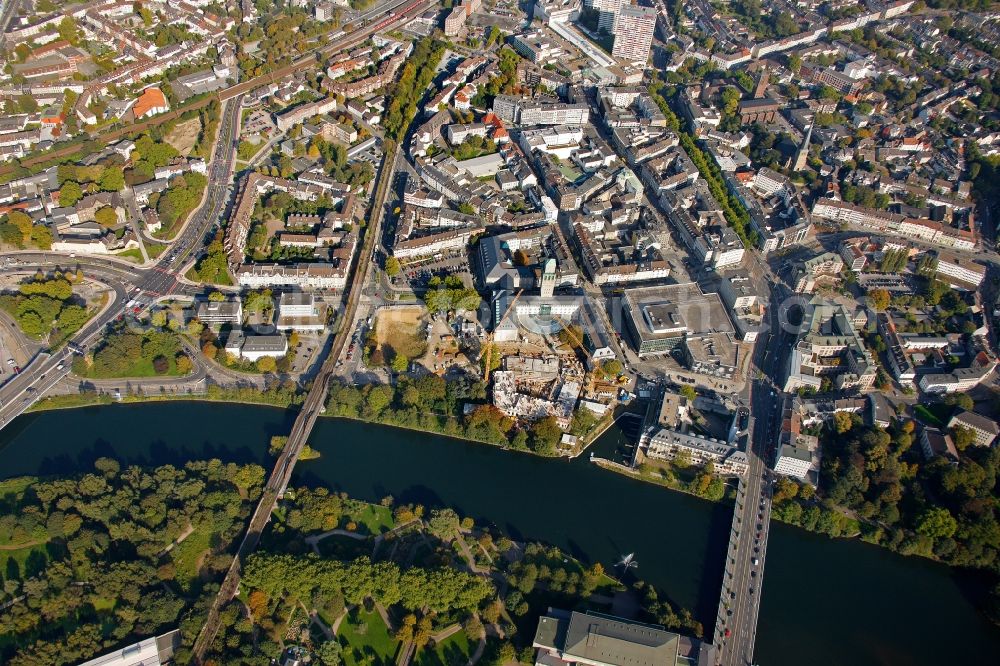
<point>312,406</point>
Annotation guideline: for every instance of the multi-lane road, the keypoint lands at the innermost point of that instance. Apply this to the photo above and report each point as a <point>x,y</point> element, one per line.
<point>131,284</point>
<point>46,370</point>
<point>736,621</point>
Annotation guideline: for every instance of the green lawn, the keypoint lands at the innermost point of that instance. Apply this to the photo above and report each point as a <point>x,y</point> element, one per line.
<point>186,555</point>
<point>142,367</point>
<point>375,641</point>
<point>133,254</point>
<point>935,414</point>
<point>370,518</point>
<point>452,651</point>
<point>38,556</point>
<point>155,249</point>
<point>102,603</point>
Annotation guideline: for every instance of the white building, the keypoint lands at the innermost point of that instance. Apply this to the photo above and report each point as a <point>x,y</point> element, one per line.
<point>221,312</point>
<point>959,272</point>
<point>298,311</point>
<point>666,444</point>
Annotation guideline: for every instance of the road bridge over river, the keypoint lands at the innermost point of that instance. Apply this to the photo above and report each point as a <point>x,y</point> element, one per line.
<point>746,553</point>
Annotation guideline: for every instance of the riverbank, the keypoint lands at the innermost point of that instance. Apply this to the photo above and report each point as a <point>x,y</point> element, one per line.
<point>241,396</point>
<point>866,606</point>
<point>814,519</point>
<point>427,422</point>
<point>661,481</point>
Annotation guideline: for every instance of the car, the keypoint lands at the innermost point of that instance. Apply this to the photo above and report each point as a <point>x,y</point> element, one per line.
<point>17,369</point>
<point>751,590</point>
<point>755,562</point>
<point>760,526</point>
<point>756,549</point>
<point>732,595</point>
<point>10,361</point>
<point>753,573</point>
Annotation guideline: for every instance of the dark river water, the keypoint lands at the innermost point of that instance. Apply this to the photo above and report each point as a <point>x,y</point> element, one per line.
<point>824,601</point>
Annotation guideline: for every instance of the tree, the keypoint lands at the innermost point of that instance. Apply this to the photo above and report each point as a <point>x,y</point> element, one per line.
<point>400,363</point>
<point>329,653</point>
<point>962,400</point>
<point>209,350</point>
<point>161,364</point>
<point>266,364</point>
<point>878,299</point>
<point>106,217</point>
<point>611,367</point>
<point>687,391</point>
<point>443,523</point>
<point>544,435</point>
<point>183,363</point>
<point>216,296</point>
<point>112,180</point>
<point>842,422</point>
<point>963,437</point>
<point>70,193</point>
<point>936,522</point>
<point>69,31</point>
<point>392,267</point>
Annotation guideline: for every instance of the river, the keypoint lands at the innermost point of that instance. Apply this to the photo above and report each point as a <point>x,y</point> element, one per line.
<point>825,602</point>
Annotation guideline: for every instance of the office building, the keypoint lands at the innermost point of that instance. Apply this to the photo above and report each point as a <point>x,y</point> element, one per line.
<point>221,312</point>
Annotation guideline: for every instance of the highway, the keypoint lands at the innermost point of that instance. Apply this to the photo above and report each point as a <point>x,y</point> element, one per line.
<point>47,370</point>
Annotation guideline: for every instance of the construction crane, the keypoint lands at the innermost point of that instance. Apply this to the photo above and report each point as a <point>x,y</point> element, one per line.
<point>489,337</point>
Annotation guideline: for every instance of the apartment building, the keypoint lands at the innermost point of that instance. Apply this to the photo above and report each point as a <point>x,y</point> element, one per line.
<point>221,312</point>
<point>667,444</point>
<point>829,346</point>
<point>633,28</point>
<point>959,272</point>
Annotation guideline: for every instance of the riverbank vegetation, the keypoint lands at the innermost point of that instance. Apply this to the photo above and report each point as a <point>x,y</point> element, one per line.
<point>275,396</point>
<point>47,308</point>
<point>115,555</point>
<point>876,483</point>
<point>431,404</point>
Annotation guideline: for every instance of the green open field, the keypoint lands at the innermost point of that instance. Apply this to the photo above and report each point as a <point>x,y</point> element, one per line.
<point>452,651</point>
<point>935,414</point>
<point>375,641</point>
<point>187,554</point>
<point>370,518</point>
